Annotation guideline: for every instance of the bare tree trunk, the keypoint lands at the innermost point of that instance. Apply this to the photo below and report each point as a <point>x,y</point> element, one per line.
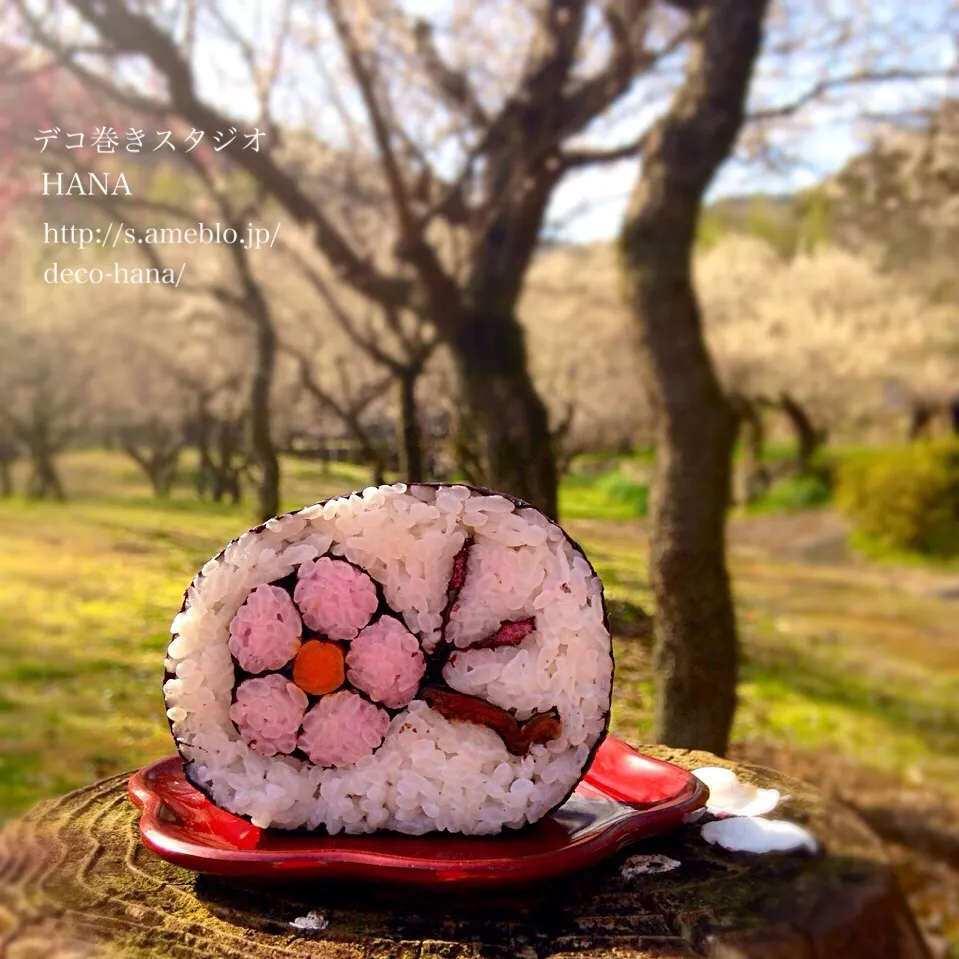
<point>232,459</point>
<point>464,451</point>
<point>252,301</point>
<point>160,459</point>
<point>205,481</point>
<point>754,476</point>
<point>808,439</point>
<point>9,453</point>
<point>506,409</point>
<point>44,480</point>
<point>261,437</point>
<point>920,421</point>
<point>162,473</point>
<point>159,473</point>
<point>234,489</point>
<point>410,440</point>
<point>166,474</point>
<point>695,626</point>
<point>371,452</point>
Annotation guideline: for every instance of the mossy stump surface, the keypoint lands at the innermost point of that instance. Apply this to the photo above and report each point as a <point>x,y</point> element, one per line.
<point>75,883</point>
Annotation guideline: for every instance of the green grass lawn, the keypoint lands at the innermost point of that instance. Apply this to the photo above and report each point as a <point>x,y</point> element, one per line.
<point>833,660</point>
<point>840,664</point>
<point>87,589</point>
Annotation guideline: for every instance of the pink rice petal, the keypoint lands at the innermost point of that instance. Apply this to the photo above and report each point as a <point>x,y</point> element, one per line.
<point>268,712</point>
<point>265,632</point>
<point>386,662</point>
<point>341,729</point>
<point>335,598</point>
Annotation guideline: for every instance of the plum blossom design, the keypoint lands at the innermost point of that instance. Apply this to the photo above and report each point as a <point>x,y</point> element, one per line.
<point>324,664</point>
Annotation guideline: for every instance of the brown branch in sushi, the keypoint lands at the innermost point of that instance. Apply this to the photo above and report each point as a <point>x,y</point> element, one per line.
<point>455,706</point>
<point>541,728</point>
<point>507,634</point>
<point>457,579</point>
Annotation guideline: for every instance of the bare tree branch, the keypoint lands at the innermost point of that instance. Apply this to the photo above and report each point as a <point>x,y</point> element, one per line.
<point>263,81</point>
<point>687,6</point>
<point>362,73</point>
<point>137,34</point>
<point>350,412</point>
<point>339,314</point>
<point>452,84</point>
<point>573,159</point>
<point>440,287</point>
<point>627,21</point>
<point>827,84</point>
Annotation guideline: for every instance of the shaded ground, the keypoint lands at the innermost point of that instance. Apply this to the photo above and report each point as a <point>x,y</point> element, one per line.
<point>850,680</point>
<point>819,536</point>
<point>919,826</point>
<point>851,683</point>
<point>916,816</point>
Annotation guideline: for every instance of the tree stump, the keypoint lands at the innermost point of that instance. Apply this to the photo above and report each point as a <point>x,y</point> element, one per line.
<point>75,883</point>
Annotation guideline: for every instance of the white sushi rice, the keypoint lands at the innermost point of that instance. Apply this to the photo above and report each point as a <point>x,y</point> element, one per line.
<point>430,773</point>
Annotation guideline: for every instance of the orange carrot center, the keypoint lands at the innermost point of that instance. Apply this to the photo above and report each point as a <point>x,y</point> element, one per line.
<point>318,667</point>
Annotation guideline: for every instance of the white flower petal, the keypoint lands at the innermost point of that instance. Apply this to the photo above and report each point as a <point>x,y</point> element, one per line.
<point>731,796</point>
<point>717,778</point>
<point>648,865</point>
<point>312,922</point>
<point>762,802</point>
<point>751,834</point>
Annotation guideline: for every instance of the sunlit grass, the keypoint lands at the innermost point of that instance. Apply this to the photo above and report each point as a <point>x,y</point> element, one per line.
<point>607,496</point>
<point>87,591</point>
<point>834,659</point>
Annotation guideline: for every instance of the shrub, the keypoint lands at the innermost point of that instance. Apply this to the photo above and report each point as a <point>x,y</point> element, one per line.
<point>621,489</point>
<point>795,493</point>
<point>905,498</point>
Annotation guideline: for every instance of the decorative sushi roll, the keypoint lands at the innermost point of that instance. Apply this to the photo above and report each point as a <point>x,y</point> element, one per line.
<point>413,658</point>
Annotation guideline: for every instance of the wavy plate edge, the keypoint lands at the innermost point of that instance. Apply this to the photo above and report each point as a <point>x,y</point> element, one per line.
<point>619,774</point>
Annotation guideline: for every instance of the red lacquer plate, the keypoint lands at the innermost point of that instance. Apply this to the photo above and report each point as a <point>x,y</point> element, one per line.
<point>624,796</point>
